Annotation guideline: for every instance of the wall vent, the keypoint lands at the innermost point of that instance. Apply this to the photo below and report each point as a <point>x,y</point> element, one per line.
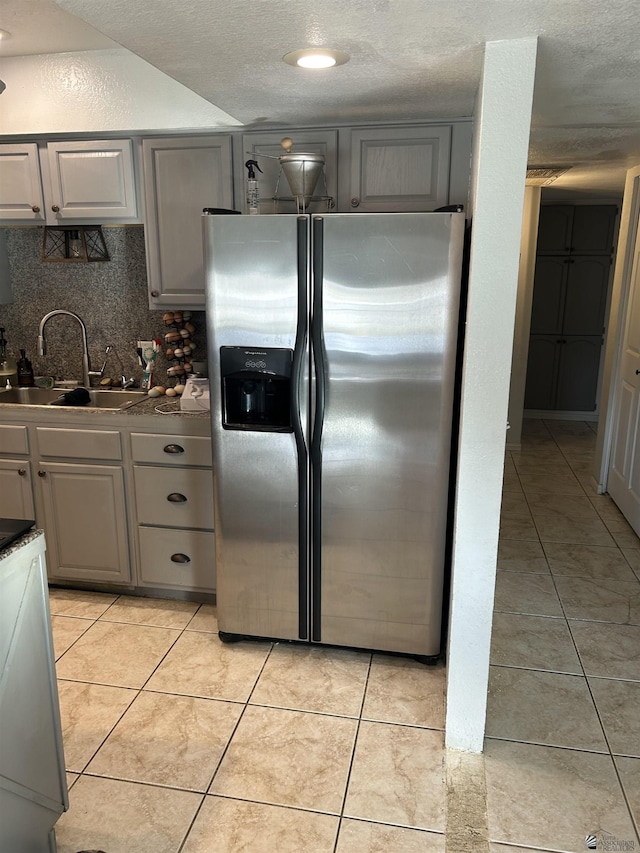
<point>541,176</point>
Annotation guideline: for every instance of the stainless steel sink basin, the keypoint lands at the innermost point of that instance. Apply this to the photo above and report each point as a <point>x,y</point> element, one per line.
<point>100,398</point>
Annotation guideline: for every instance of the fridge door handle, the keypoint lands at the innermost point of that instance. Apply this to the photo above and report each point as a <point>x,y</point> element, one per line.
<point>298,431</point>
<point>317,343</point>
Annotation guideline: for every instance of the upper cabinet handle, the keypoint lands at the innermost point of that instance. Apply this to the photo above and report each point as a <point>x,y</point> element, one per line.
<point>173,448</point>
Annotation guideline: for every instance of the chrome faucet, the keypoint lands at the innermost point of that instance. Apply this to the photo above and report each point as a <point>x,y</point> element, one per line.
<point>87,373</point>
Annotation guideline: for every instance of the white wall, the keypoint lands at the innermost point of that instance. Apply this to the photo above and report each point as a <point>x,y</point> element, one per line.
<point>526,273</point>
<point>97,91</point>
<point>499,170</point>
<point>629,225</point>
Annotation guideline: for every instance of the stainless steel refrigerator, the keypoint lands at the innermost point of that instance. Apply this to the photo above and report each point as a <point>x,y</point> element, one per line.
<point>332,348</point>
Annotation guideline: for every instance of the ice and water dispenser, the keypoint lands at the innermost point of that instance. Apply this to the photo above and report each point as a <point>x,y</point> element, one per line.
<point>256,389</point>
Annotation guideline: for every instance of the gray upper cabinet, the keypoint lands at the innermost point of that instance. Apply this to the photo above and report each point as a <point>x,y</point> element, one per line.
<point>399,168</point>
<point>81,181</point>
<point>275,193</point>
<point>21,196</point>
<point>182,176</point>
<point>578,229</point>
<point>91,181</point>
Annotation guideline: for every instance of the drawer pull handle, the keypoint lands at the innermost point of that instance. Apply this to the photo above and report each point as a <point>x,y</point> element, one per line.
<point>173,448</point>
<point>177,498</point>
<point>180,558</point>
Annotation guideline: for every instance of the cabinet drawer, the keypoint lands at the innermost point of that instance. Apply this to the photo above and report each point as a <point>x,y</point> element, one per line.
<point>170,449</point>
<point>79,443</point>
<point>177,558</point>
<point>14,439</point>
<point>174,497</point>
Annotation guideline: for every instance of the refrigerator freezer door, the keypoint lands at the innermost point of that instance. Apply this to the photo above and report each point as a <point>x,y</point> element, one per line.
<point>252,283</point>
<point>388,302</point>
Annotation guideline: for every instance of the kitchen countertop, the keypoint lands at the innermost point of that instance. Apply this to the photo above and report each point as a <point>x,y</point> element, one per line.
<point>20,543</point>
<point>147,406</point>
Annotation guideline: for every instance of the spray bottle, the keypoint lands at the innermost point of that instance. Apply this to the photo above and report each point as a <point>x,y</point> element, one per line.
<point>253,194</point>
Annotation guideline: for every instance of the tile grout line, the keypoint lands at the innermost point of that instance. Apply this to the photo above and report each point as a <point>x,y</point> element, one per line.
<point>353,755</point>
<point>224,752</point>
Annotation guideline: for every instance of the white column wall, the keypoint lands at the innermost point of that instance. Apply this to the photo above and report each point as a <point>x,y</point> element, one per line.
<point>498,182</point>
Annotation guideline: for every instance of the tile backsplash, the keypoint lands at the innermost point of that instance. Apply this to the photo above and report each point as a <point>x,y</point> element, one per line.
<point>111,298</point>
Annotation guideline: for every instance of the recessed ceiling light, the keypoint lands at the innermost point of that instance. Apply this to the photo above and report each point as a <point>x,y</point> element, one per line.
<point>316,57</point>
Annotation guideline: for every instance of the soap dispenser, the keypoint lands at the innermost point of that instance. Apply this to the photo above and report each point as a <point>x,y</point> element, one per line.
<point>25,371</point>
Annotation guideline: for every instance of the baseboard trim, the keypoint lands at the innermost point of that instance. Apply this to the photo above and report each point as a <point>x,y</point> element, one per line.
<point>553,415</point>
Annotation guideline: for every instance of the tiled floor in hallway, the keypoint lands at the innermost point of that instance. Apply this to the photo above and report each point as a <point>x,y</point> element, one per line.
<point>177,743</point>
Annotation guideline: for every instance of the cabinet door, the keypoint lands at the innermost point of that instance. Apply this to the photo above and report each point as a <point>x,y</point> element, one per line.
<point>92,180</point>
<point>549,293</point>
<point>181,176</point>
<point>578,373</point>
<point>85,521</point>
<point>593,229</point>
<point>554,229</point>
<point>16,496</point>
<point>20,185</point>
<point>542,368</point>
<point>272,182</point>
<point>585,303</point>
<point>399,169</point>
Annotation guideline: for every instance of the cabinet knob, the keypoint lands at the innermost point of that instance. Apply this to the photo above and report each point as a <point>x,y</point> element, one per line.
<point>55,208</point>
<point>42,473</point>
<point>355,202</point>
<point>35,208</point>
<point>173,448</point>
<point>155,294</point>
<point>180,558</point>
<point>176,498</point>
<point>22,472</point>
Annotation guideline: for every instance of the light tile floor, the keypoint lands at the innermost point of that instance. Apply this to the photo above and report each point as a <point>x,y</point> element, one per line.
<point>176,743</point>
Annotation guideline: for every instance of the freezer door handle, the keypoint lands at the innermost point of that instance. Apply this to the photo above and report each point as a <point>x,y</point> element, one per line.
<point>320,367</point>
<point>296,420</point>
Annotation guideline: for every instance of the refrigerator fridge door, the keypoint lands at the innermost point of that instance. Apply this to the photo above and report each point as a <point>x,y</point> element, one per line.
<point>385,322</point>
<point>256,284</point>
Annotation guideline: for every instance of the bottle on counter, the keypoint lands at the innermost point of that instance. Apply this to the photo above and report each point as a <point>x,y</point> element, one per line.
<point>25,371</point>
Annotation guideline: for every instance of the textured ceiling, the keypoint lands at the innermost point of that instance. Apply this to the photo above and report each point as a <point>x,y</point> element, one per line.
<point>410,60</point>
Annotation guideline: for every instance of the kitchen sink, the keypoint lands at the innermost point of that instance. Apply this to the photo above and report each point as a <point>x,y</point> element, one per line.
<point>101,398</point>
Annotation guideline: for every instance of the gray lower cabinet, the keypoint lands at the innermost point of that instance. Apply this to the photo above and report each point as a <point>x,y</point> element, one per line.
<point>84,516</point>
<point>80,491</point>
<point>33,787</point>
<point>562,372</point>
<point>120,506</point>
<point>16,495</point>
<point>174,510</point>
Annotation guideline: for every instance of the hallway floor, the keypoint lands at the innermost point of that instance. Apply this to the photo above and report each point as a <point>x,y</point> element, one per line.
<point>176,743</point>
